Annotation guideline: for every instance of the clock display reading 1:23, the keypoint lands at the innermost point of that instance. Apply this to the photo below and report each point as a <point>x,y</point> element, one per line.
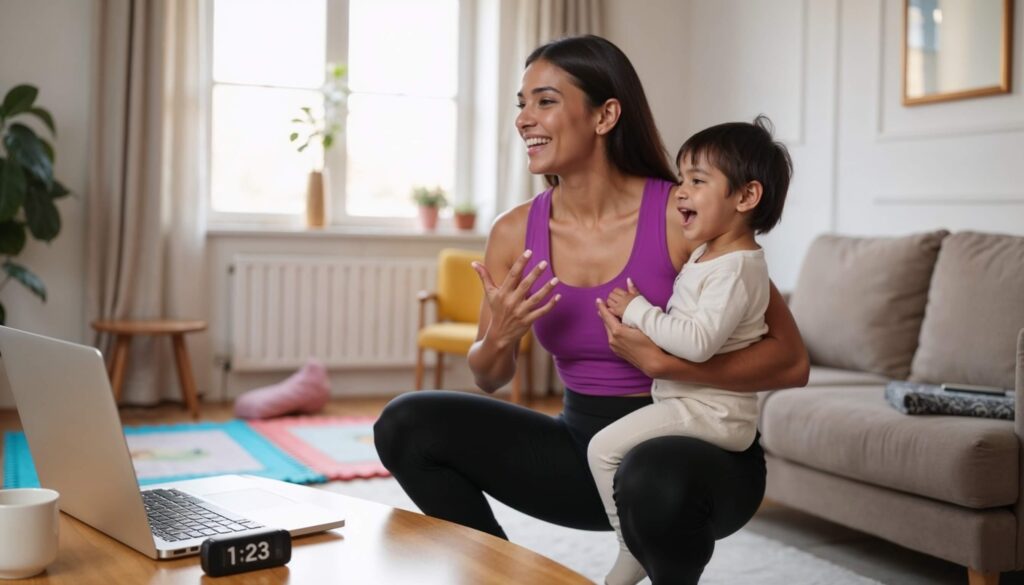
<point>262,549</point>
<point>250,553</point>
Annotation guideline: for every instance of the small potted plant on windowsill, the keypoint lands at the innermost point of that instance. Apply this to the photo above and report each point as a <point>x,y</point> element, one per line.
<point>430,202</point>
<point>465,216</point>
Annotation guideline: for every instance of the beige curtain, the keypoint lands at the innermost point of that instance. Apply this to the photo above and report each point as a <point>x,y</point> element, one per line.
<point>145,231</point>
<point>536,22</point>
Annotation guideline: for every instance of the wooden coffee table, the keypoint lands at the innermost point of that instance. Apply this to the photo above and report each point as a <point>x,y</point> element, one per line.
<point>378,545</point>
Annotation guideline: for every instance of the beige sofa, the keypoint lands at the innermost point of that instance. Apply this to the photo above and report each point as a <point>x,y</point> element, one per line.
<point>931,308</point>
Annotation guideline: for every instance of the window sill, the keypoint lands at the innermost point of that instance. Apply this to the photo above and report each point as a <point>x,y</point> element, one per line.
<point>343,231</point>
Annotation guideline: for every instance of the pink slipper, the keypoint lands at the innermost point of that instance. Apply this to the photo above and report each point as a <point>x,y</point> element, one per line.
<point>304,392</point>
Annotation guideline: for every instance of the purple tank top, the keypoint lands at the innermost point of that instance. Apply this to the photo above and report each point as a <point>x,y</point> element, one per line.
<point>573,332</point>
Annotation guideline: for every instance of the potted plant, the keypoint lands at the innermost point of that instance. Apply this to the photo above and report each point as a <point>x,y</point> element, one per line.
<point>465,216</point>
<point>430,202</point>
<point>324,129</point>
<point>28,189</point>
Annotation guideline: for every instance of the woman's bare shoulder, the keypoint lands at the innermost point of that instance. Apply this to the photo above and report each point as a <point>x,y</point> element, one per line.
<point>511,223</point>
<point>507,237</point>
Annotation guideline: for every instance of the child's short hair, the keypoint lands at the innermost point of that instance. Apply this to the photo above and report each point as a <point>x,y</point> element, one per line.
<point>747,152</point>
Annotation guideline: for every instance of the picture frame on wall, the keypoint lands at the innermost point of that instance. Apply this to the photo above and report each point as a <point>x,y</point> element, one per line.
<point>956,49</point>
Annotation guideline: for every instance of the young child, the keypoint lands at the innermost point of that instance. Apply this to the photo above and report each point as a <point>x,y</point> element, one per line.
<point>734,182</point>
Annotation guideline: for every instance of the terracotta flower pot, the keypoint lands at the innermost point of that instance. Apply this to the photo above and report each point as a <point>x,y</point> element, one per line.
<point>428,218</point>
<point>465,221</point>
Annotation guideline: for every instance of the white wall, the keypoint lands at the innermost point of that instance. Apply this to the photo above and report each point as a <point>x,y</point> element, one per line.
<point>653,34</point>
<point>827,72</point>
<point>49,45</point>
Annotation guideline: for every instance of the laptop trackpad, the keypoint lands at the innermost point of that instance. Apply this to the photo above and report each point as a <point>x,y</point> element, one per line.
<point>248,499</point>
<point>271,509</point>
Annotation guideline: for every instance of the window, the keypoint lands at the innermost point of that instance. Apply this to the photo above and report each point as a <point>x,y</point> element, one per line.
<point>269,59</point>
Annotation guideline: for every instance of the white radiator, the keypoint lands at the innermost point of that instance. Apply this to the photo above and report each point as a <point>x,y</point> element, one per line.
<point>347,312</point>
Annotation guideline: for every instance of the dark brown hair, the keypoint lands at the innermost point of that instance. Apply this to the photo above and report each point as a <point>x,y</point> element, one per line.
<point>602,71</point>
<point>746,152</point>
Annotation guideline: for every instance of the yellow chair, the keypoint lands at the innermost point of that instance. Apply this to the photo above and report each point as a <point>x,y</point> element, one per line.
<point>458,298</point>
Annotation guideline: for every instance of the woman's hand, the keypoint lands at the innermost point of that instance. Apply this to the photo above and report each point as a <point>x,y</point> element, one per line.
<point>512,309</point>
<point>630,344</point>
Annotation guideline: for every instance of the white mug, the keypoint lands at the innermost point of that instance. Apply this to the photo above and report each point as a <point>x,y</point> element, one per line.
<point>29,520</point>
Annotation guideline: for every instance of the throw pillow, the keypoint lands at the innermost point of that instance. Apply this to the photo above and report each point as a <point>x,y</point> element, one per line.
<point>859,302</point>
<point>975,311</point>
<point>304,392</point>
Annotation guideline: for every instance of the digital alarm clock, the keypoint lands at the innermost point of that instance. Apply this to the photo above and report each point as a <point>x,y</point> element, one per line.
<point>230,554</point>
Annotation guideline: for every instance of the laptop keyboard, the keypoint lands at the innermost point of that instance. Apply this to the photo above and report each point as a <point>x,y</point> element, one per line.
<point>175,515</point>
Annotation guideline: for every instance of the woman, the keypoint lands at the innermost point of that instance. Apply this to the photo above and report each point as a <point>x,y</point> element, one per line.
<point>587,127</point>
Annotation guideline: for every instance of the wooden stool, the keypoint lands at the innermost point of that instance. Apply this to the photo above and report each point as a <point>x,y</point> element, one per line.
<point>123,331</point>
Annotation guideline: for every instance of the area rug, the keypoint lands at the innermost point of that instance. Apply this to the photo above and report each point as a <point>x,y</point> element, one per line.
<point>183,451</point>
<point>744,557</point>
<point>339,447</point>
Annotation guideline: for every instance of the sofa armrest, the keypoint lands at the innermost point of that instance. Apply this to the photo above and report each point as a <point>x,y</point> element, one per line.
<point>1018,414</point>
<point>1018,421</point>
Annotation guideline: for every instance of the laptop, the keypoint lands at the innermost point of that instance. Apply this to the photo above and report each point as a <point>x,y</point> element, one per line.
<point>74,432</point>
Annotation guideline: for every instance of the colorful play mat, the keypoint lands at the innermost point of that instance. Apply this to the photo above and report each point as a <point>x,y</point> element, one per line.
<point>339,447</point>
<point>183,451</point>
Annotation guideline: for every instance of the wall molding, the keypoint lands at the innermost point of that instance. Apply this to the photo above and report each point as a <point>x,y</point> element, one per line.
<point>955,132</point>
<point>801,134</point>
<point>797,138</point>
<point>833,220</point>
<point>800,137</point>
<point>967,200</point>
<point>880,72</point>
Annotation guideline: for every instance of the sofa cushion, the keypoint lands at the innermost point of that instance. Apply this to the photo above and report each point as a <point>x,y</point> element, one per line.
<point>851,431</point>
<point>822,376</point>
<point>859,302</point>
<point>975,310</point>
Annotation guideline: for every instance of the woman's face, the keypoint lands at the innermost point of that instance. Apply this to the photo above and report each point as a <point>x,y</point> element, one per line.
<point>555,121</point>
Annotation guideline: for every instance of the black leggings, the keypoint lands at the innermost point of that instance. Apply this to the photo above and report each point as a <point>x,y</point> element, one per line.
<point>676,495</point>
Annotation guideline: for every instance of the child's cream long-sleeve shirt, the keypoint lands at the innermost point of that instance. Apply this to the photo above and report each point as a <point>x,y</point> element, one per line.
<point>717,306</point>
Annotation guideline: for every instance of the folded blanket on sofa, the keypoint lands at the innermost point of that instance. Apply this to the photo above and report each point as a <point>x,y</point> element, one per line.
<point>914,398</point>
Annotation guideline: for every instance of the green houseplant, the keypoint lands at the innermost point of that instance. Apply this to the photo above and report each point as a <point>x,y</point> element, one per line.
<point>28,189</point>
<point>324,129</point>
<point>430,201</point>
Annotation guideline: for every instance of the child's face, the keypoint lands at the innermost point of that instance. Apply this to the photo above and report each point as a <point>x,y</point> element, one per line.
<point>704,201</point>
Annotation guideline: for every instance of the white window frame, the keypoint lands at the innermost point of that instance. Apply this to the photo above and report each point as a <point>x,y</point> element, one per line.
<point>335,159</point>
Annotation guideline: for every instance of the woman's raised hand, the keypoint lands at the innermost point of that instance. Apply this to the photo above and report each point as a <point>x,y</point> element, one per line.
<point>513,309</point>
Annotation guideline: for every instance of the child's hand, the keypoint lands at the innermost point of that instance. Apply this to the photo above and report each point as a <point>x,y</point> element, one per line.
<point>619,299</point>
